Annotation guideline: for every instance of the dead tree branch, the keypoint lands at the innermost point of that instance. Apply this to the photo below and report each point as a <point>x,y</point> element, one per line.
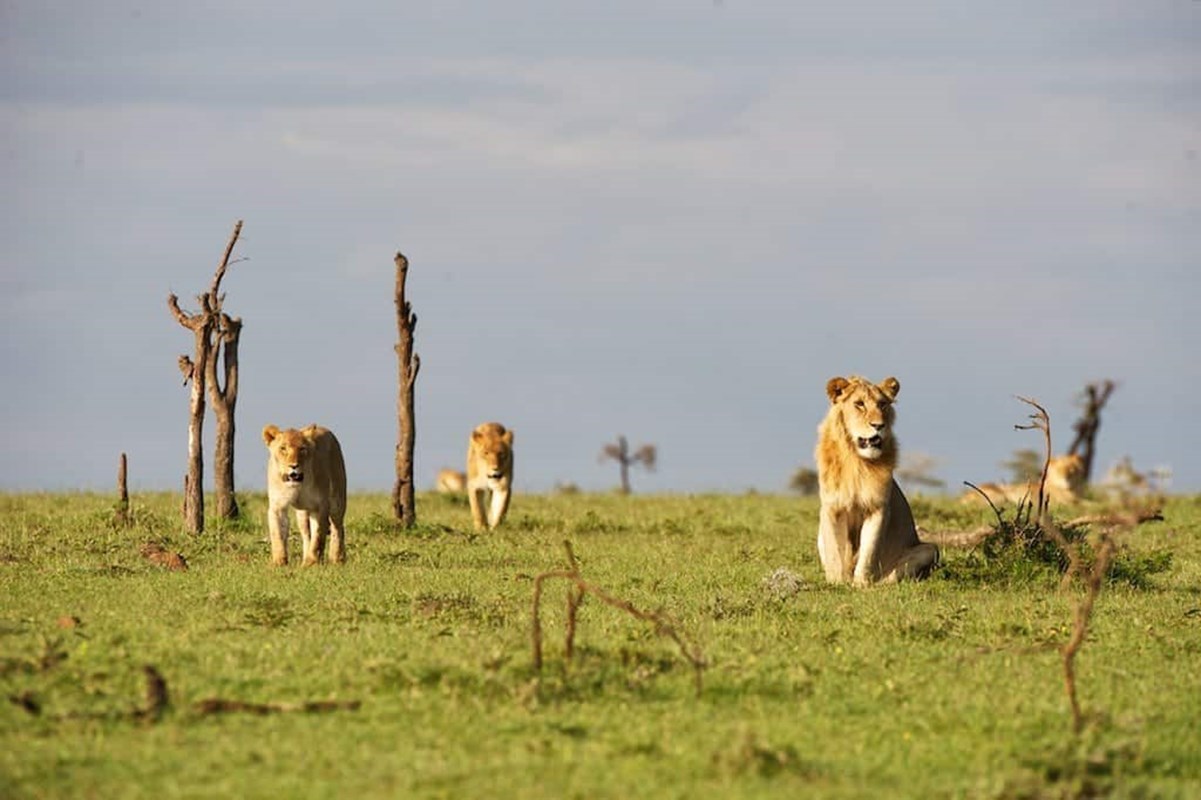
<point>408,365</point>
<point>220,705</point>
<point>1096,395</point>
<point>1082,611</point>
<point>223,388</point>
<point>1041,422</point>
<point>200,370</point>
<point>122,516</point>
<point>201,326</point>
<point>664,625</point>
<point>158,701</point>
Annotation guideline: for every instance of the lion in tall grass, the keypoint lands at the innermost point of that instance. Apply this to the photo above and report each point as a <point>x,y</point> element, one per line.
<point>866,534</point>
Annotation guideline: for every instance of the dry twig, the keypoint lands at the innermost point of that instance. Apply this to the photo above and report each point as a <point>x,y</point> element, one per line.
<point>1041,422</point>
<point>220,705</point>
<point>664,625</point>
<point>1094,577</point>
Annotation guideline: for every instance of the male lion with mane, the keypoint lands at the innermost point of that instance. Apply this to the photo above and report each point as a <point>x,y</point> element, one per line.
<point>305,471</point>
<point>489,470</point>
<point>866,533</point>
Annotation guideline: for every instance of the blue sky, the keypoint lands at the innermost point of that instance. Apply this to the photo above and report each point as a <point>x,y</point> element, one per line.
<point>671,220</point>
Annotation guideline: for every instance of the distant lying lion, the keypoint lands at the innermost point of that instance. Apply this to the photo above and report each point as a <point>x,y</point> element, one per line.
<point>305,471</point>
<point>451,481</point>
<point>489,471</point>
<point>866,534</point>
<point>1065,484</point>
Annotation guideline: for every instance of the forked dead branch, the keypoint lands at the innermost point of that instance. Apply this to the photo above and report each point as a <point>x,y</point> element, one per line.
<point>1040,421</point>
<point>1092,572</point>
<point>201,371</point>
<point>664,625</point>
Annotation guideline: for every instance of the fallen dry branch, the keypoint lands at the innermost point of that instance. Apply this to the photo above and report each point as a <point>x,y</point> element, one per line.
<point>220,705</point>
<point>158,700</point>
<point>664,625</point>
<point>1125,518</point>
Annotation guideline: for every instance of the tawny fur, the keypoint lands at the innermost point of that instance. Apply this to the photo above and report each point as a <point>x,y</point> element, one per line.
<point>1065,485</point>
<point>866,534</point>
<point>489,474</point>
<point>306,472</point>
<point>451,481</point>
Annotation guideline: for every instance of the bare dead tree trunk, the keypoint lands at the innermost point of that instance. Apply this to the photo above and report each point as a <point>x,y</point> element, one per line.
<point>224,397</point>
<point>623,458</point>
<point>122,494</point>
<point>1095,397</point>
<point>201,325</point>
<point>408,365</point>
<point>200,370</point>
<point>223,393</point>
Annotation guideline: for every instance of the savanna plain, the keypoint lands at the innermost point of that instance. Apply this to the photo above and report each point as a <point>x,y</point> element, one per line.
<point>409,671</point>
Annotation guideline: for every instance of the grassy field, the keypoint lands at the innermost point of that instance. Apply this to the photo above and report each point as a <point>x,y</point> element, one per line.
<point>950,688</point>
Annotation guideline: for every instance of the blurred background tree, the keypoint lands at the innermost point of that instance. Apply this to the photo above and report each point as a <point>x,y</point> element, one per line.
<point>1024,465</point>
<point>645,455</point>
<point>804,481</point>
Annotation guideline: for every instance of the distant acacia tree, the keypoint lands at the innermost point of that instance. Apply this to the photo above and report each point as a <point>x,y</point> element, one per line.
<point>804,481</point>
<point>620,452</point>
<point>1024,466</point>
<point>917,469</point>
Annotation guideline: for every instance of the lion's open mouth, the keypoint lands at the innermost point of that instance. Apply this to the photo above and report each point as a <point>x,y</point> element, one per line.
<point>873,443</point>
<point>293,476</point>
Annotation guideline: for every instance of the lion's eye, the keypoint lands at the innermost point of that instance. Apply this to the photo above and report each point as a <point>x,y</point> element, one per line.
<point>859,405</point>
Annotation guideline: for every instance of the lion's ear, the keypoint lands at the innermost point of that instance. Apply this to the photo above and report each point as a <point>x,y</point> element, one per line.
<point>835,387</point>
<point>269,434</point>
<point>476,435</point>
<point>891,387</point>
<point>310,433</point>
<point>508,437</point>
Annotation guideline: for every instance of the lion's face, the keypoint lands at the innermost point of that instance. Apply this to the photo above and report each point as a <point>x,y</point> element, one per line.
<point>291,452</point>
<point>494,453</point>
<point>866,412</point>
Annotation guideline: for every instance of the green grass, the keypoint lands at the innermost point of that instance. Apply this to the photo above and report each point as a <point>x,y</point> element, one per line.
<point>950,688</point>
